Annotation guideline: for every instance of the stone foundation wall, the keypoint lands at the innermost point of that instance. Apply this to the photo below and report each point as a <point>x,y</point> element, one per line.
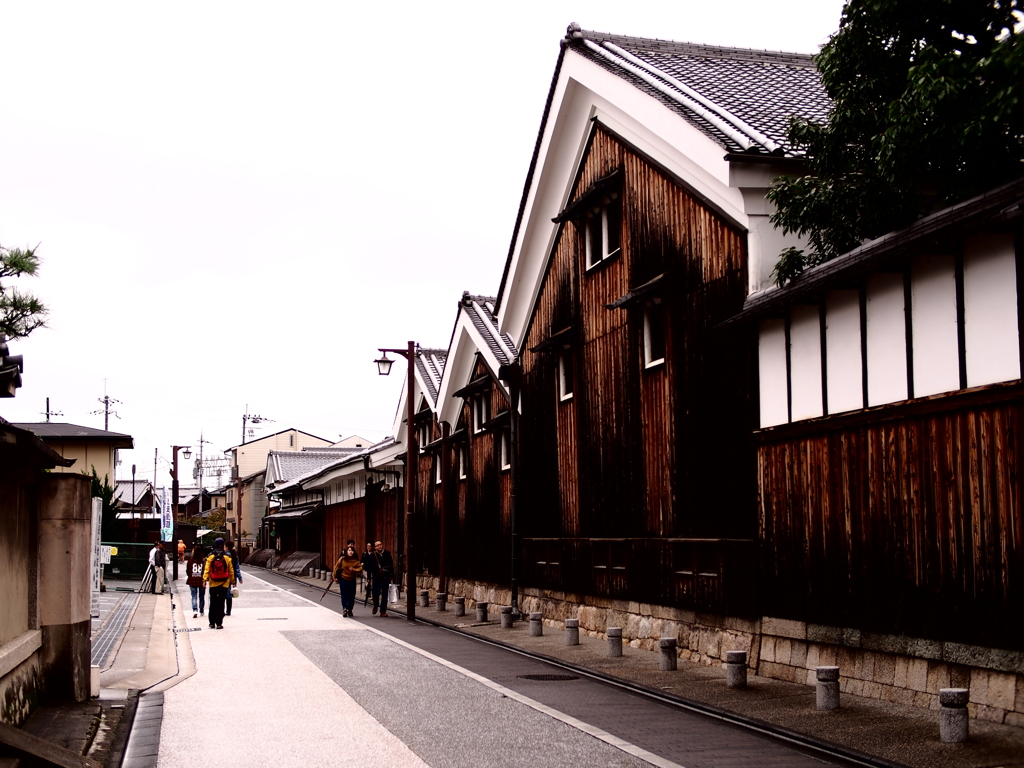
<point>904,670</point>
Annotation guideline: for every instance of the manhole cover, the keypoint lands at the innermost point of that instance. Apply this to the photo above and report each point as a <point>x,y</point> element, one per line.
<point>548,678</point>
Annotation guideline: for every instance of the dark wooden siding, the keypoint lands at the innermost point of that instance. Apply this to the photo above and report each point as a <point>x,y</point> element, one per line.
<point>642,466</point>
<point>908,523</point>
<point>369,518</point>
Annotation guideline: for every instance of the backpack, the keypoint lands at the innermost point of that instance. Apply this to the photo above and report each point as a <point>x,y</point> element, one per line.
<point>219,568</point>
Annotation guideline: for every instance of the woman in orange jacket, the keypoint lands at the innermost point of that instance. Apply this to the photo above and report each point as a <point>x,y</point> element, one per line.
<point>345,572</point>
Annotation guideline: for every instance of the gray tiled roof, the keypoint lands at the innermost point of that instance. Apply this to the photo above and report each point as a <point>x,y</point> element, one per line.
<point>339,457</point>
<point>289,465</point>
<point>55,429</point>
<point>123,491</point>
<point>762,89</point>
<point>430,364</point>
<point>480,310</point>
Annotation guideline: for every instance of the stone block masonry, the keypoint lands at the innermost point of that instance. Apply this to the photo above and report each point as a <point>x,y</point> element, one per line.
<point>900,669</point>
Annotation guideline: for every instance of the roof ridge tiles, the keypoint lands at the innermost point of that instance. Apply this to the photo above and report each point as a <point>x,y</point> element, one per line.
<point>703,49</point>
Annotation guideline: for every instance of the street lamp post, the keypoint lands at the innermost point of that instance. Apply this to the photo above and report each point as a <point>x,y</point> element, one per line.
<point>174,503</point>
<point>384,368</point>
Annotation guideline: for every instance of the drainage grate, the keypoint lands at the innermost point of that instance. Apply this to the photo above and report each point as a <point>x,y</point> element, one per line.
<point>190,629</point>
<point>104,640</point>
<point>548,678</point>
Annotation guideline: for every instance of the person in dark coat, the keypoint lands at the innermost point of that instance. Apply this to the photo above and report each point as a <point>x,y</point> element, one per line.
<point>194,580</point>
<point>366,560</point>
<point>383,570</point>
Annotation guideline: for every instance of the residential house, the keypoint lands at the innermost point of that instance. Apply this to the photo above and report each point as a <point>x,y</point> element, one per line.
<point>246,502</point>
<point>88,447</point>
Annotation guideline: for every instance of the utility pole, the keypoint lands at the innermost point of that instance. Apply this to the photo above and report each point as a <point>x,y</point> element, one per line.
<point>246,419</point>
<point>174,501</point>
<point>50,413</point>
<point>254,419</point>
<point>135,523</point>
<point>105,410</point>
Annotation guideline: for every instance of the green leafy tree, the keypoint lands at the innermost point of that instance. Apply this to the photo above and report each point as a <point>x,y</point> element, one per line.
<point>104,491</point>
<point>928,109</point>
<point>20,312</point>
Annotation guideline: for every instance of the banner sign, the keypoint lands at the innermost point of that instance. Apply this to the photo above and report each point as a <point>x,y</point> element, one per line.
<point>96,557</point>
<point>167,517</point>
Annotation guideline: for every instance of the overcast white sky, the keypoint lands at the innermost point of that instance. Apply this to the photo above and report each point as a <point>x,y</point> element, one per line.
<point>238,203</point>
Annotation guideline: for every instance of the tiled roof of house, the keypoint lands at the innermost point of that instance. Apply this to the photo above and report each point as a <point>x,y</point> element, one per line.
<point>54,430</point>
<point>337,457</point>
<point>430,364</point>
<point>742,98</point>
<point>481,311</point>
<point>123,491</point>
<point>289,465</point>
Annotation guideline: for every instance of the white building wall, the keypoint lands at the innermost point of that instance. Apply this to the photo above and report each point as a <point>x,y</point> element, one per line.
<point>772,373</point>
<point>843,351</point>
<point>933,318</point>
<point>990,310</point>
<point>887,340</point>
<point>805,362</point>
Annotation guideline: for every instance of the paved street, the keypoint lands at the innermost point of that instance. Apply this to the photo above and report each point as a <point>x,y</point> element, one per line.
<point>294,682</point>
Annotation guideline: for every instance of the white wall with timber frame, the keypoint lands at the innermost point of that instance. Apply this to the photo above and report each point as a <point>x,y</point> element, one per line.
<point>949,321</point>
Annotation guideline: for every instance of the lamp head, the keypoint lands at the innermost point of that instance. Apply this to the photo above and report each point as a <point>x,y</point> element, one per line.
<point>384,364</point>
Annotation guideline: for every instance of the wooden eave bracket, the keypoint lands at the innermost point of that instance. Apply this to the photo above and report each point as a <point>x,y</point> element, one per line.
<point>497,422</point>
<point>565,336</point>
<point>611,182</point>
<point>474,386</point>
<point>634,295</point>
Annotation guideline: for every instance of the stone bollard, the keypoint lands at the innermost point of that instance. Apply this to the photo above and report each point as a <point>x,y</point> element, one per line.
<point>424,598</point>
<point>507,619</point>
<point>614,641</point>
<point>536,624</point>
<point>827,694</point>
<point>460,606</point>
<point>572,631</point>
<point>667,658</point>
<point>442,601</point>
<point>481,611</point>
<point>736,669</point>
<point>953,720</point>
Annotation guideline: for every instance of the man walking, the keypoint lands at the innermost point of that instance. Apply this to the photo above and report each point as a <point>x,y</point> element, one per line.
<point>383,568</point>
<point>157,566</point>
<point>219,574</point>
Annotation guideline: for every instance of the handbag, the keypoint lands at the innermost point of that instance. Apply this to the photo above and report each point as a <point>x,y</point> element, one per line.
<point>234,592</point>
<point>392,593</point>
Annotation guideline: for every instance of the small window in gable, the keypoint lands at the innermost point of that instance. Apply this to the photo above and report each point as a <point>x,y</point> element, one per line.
<point>462,462</point>
<point>480,412</point>
<point>506,450</point>
<point>437,469</point>
<point>566,377</point>
<point>603,228</point>
<point>654,333</point>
